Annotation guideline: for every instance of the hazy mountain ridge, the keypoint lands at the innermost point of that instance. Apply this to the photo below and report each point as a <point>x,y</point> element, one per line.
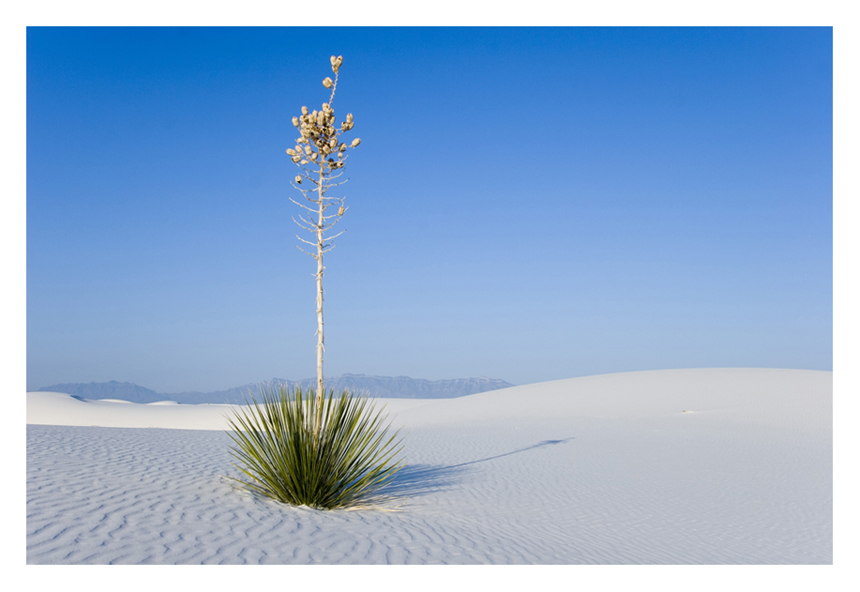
<point>396,387</point>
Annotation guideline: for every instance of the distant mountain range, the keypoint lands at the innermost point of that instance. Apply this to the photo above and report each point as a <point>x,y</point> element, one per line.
<point>397,387</point>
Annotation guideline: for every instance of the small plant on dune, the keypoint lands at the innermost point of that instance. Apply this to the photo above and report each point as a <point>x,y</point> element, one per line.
<point>309,448</point>
<point>345,465</point>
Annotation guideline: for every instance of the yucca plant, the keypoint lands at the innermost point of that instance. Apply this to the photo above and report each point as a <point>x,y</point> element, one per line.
<point>345,465</point>
<point>307,448</point>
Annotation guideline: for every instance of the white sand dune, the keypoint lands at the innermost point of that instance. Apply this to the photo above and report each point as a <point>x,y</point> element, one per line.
<point>47,408</point>
<point>713,466</point>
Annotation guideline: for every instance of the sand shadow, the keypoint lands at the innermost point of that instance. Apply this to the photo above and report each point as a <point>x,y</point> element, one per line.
<point>417,480</point>
<point>489,458</point>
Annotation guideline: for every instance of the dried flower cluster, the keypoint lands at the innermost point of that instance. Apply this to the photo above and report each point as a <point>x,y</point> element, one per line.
<point>319,142</point>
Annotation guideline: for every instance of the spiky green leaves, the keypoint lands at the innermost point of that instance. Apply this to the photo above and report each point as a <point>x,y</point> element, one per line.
<point>352,460</point>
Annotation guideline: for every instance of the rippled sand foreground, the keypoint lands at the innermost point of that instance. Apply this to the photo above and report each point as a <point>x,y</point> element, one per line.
<point>715,466</point>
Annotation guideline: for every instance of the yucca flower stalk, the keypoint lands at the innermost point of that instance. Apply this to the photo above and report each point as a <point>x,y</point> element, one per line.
<point>345,466</point>
<point>320,155</point>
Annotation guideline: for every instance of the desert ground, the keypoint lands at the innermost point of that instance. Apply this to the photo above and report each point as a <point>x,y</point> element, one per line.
<point>701,466</point>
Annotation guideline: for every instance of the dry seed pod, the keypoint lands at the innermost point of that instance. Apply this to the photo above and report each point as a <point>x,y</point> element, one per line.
<point>304,110</point>
<point>333,60</point>
<point>296,121</point>
<point>299,179</point>
<point>349,117</point>
<point>327,82</point>
<point>304,161</point>
<point>291,152</point>
<point>340,211</point>
<point>356,142</point>
<point>295,158</point>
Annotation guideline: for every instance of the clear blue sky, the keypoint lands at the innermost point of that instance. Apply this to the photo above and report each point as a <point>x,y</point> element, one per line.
<point>526,204</point>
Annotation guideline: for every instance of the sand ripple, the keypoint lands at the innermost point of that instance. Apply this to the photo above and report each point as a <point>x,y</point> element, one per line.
<point>587,491</point>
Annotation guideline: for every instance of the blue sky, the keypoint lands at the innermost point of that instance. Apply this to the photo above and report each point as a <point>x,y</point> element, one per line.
<point>526,204</point>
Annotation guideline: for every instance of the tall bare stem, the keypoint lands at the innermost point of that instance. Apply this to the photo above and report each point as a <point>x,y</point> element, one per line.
<point>319,145</point>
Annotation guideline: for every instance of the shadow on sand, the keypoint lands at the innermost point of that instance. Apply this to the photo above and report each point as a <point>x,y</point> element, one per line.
<point>417,480</point>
